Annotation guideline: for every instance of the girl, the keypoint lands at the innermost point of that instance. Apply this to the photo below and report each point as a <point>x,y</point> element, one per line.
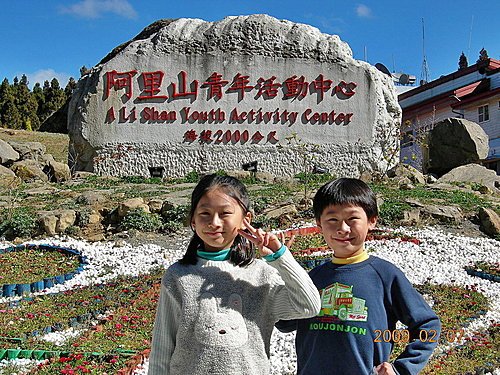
<point>218,304</point>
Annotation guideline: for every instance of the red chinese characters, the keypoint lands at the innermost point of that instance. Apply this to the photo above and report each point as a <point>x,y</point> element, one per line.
<point>228,137</point>
<point>152,86</point>
<point>119,80</point>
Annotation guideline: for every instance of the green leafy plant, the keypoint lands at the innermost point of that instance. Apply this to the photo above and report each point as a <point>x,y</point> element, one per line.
<point>175,218</point>
<point>142,220</point>
<point>192,177</point>
<point>20,222</point>
<point>392,211</point>
<point>141,180</point>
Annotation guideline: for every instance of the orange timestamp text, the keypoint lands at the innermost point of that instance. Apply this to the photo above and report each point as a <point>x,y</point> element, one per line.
<point>424,335</point>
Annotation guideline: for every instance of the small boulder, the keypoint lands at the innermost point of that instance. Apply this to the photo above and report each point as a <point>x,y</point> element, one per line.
<point>58,172</point>
<point>131,204</point>
<point>7,153</point>
<point>490,222</point>
<point>402,171</point>
<point>29,150</point>
<point>29,171</point>
<point>472,173</point>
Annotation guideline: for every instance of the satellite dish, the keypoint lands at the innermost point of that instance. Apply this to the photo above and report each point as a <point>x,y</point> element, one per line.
<point>404,79</point>
<point>383,69</point>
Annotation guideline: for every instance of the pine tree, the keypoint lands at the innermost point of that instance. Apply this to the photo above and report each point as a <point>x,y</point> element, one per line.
<point>54,98</point>
<point>9,115</point>
<point>26,105</point>
<point>68,90</point>
<point>40,99</point>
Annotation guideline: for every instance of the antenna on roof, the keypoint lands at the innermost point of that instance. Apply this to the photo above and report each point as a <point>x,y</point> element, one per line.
<point>424,76</point>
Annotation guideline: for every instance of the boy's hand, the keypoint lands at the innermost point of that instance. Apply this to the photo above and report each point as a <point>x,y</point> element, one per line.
<point>384,368</point>
<point>266,242</point>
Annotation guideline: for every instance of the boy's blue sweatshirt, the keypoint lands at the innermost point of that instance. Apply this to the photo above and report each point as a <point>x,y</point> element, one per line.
<point>361,304</point>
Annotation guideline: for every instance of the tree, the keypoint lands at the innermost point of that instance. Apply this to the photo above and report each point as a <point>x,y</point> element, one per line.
<point>54,98</point>
<point>26,105</point>
<point>39,97</point>
<point>9,115</point>
<point>68,90</point>
<point>462,62</point>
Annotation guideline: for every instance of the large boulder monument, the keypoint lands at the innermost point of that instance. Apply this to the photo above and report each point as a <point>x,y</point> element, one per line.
<point>187,95</point>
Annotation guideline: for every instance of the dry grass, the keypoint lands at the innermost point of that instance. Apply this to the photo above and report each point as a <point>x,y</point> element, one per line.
<point>56,143</point>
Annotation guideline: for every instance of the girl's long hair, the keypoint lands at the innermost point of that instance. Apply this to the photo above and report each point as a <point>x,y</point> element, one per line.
<point>242,251</point>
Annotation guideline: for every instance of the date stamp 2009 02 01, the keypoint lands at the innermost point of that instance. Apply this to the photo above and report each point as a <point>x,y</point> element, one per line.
<point>403,335</point>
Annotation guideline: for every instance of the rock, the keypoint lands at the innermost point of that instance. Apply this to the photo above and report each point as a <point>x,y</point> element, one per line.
<point>280,211</point>
<point>430,179</point>
<point>46,159</point>
<point>6,172</point>
<point>411,217</point>
<point>91,198</point>
<point>239,174</point>
<point>265,177</point>
<point>454,142</point>
<point>366,177</point>
<point>131,204</point>
<point>49,223</point>
<point>401,171</point>
<point>472,173</point>
<point>447,214</point>
<point>155,205</point>
<point>490,222</point>
<point>94,218</point>
<point>65,219</point>
<point>8,178</point>
<point>58,172</point>
<point>29,150</point>
<point>58,221</point>
<point>29,171</point>
<point>7,154</point>
<point>251,46</point>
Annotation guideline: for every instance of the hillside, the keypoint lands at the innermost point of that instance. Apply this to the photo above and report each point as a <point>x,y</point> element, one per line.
<point>56,143</point>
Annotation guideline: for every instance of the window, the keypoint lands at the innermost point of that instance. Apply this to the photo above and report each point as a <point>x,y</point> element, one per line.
<point>483,113</point>
<point>407,139</point>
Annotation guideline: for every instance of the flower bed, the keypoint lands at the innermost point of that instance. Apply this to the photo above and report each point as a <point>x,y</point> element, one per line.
<point>485,270</point>
<point>122,331</point>
<point>48,265</point>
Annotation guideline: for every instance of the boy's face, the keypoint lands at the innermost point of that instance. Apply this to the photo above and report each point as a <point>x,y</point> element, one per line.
<point>344,228</point>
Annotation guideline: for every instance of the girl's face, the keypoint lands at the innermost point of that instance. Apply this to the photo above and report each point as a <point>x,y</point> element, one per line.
<point>345,228</point>
<point>216,220</point>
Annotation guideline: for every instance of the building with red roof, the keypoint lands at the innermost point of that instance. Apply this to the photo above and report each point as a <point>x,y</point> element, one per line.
<point>472,92</point>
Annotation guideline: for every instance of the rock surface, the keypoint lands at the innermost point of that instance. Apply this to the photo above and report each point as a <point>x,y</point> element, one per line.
<point>121,142</point>
<point>454,142</point>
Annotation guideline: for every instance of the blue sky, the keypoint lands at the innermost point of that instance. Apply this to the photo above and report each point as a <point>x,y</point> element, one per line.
<point>54,38</point>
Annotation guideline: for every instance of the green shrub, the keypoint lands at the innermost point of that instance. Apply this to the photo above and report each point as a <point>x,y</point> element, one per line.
<point>175,218</point>
<point>314,179</point>
<point>392,211</point>
<point>142,220</point>
<point>141,180</point>
<point>192,176</point>
<point>18,223</point>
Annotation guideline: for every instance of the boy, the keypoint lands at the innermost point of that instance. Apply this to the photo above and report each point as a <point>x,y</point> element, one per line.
<point>362,297</point>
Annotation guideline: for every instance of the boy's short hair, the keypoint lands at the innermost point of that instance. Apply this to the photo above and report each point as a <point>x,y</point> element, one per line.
<point>351,191</point>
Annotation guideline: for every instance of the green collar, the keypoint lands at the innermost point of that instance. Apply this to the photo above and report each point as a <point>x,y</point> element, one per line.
<point>214,255</point>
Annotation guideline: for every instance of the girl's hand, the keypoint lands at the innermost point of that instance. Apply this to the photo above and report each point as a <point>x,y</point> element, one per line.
<point>384,368</point>
<point>266,242</point>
